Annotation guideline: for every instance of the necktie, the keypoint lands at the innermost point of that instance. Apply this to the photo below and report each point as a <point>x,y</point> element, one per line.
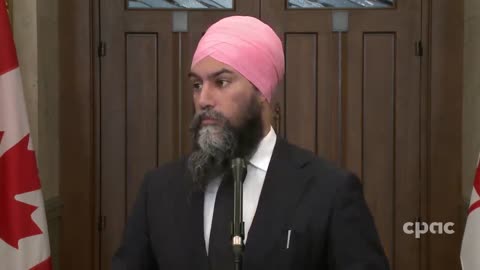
<point>220,252</point>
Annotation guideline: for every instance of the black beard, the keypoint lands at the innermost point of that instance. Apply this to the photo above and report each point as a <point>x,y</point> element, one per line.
<point>214,158</point>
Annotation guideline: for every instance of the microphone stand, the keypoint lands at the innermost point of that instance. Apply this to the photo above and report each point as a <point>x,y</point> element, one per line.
<point>239,171</point>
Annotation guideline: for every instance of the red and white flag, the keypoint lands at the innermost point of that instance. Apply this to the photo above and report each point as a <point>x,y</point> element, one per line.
<point>470,254</point>
<point>23,228</point>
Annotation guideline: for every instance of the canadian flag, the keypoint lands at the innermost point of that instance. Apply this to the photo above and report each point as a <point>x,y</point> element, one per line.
<point>23,227</point>
<point>470,254</point>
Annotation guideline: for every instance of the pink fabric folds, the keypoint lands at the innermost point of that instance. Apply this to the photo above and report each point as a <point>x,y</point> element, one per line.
<point>249,46</point>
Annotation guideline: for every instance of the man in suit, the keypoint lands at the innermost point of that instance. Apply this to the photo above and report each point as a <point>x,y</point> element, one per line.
<point>300,212</point>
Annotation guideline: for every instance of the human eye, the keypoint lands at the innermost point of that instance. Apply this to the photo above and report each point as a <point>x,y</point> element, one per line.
<point>196,86</point>
<point>222,83</point>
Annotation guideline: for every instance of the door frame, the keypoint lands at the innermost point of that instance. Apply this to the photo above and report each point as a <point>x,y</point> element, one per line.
<point>441,118</point>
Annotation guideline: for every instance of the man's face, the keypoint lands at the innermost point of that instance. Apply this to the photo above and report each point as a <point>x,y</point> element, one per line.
<point>228,119</point>
<point>219,87</point>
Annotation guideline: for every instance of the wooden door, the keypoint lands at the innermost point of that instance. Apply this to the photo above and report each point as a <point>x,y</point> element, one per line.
<point>145,101</point>
<point>354,97</point>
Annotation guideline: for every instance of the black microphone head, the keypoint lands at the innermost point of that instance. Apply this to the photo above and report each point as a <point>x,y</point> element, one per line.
<point>239,169</point>
<point>239,163</point>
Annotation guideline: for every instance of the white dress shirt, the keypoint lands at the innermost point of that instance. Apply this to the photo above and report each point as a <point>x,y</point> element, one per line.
<point>252,186</point>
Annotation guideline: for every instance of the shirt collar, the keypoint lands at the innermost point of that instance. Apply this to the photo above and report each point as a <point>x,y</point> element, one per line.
<point>263,154</point>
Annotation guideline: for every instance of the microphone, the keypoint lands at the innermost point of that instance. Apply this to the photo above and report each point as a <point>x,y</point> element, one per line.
<point>239,171</point>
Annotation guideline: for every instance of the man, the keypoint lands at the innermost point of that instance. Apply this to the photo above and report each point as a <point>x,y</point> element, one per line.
<point>300,212</point>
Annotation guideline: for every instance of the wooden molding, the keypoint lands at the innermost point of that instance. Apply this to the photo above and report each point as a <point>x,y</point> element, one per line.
<point>76,133</point>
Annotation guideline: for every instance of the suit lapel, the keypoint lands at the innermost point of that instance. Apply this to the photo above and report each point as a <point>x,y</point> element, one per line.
<point>284,184</point>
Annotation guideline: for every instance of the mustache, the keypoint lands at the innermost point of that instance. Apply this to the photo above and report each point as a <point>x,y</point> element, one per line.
<point>206,114</point>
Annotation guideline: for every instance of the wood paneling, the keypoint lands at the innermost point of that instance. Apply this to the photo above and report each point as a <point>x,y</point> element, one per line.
<point>141,111</point>
<point>379,133</point>
<point>301,90</point>
<point>188,45</point>
<point>77,177</point>
<point>407,148</point>
<point>445,127</point>
<point>167,101</point>
<point>352,78</point>
<point>328,118</point>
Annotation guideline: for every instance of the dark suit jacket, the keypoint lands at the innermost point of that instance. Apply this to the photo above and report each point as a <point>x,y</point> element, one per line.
<point>331,226</point>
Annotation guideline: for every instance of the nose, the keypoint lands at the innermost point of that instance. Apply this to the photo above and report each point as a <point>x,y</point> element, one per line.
<point>206,97</point>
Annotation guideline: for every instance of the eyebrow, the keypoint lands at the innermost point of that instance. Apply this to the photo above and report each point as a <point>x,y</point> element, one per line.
<point>212,75</point>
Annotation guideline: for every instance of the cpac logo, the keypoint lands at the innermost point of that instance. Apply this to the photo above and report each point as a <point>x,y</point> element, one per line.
<point>420,228</point>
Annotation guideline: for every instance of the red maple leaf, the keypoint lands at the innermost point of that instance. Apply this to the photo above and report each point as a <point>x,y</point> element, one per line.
<point>476,186</point>
<point>1,135</point>
<point>45,265</point>
<point>18,174</point>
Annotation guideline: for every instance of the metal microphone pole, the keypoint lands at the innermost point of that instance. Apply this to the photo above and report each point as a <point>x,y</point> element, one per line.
<point>239,170</point>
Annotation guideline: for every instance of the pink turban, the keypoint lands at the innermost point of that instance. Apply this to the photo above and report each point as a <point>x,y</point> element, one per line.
<point>249,46</point>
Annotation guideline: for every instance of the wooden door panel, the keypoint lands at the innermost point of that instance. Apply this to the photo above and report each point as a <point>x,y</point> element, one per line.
<point>382,75</point>
<point>328,117</point>
<point>309,108</point>
<point>352,102</point>
<point>379,132</point>
<point>141,110</point>
<point>407,148</point>
<point>388,64</point>
<point>137,116</point>
<point>301,90</point>
<point>167,99</point>
<point>372,71</point>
